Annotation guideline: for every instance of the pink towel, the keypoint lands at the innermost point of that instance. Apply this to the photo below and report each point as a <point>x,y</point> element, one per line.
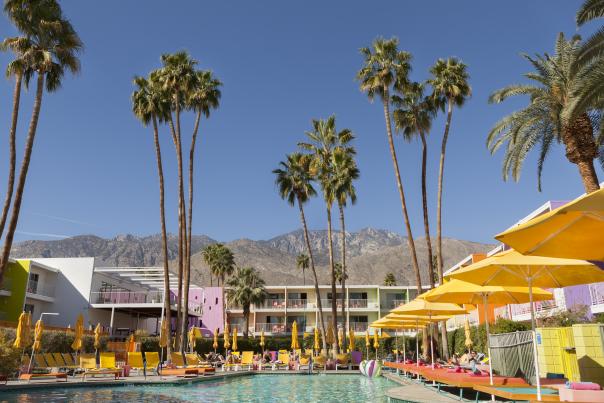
<point>583,386</point>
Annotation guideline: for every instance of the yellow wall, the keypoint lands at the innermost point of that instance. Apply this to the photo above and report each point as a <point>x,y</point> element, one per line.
<point>590,352</point>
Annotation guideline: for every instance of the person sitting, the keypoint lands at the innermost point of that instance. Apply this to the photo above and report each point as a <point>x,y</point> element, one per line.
<point>453,360</point>
<point>266,358</point>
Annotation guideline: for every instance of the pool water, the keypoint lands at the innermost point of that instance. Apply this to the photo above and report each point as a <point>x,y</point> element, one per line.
<point>257,388</point>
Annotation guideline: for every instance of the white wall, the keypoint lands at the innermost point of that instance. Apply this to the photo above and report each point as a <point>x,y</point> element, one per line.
<point>72,289</point>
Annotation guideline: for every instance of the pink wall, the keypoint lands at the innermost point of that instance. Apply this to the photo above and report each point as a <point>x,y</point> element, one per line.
<point>212,310</point>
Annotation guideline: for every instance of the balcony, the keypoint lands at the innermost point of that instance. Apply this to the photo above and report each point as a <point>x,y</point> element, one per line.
<point>326,303</point>
<point>396,303</point>
<point>40,291</point>
<point>542,308</point>
<point>596,294</point>
<point>357,304</point>
<point>5,288</point>
<point>297,303</point>
<point>128,297</point>
<point>277,304</point>
<point>359,326</point>
<point>274,328</point>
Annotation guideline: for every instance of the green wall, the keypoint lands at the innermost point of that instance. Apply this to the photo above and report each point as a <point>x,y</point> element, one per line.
<point>16,277</point>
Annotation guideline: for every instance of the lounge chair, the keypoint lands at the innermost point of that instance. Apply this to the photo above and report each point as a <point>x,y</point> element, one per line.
<point>52,362</point>
<point>355,359</point>
<point>342,361</point>
<point>69,361</point>
<point>40,363</point>
<point>304,362</point>
<point>135,361</point>
<point>282,361</point>
<point>247,359</point>
<point>107,365</point>
<point>320,361</point>
<point>194,360</point>
<point>152,358</point>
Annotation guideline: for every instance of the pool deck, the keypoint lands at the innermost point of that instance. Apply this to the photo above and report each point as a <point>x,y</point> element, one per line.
<point>72,382</point>
<point>410,391</point>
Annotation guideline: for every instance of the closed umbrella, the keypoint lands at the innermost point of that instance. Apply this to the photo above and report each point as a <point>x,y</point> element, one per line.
<point>37,341</point>
<point>215,344</point>
<point>572,231</point>
<point>21,333</point>
<point>317,345</point>
<point>295,345</point>
<point>510,268</point>
<point>351,340</point>
<point>192,339</point>
<point>97,337</point>
<point>367,342</point>
<point>468,342</point>
<point>376,342</point>
<point>78,334</point>
<point>164,334</point>
<point>262,340</point>
<point>330,337</point>
<point>226,336</point>
<point>235,348</point>
<point>340,338</point>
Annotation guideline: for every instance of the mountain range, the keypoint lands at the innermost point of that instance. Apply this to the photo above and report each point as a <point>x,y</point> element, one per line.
<point>371,254</point>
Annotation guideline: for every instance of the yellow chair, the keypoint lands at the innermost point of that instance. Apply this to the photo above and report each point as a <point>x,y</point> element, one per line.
<point>87,361</point>
<point>320,361</point>
<point>177,359</point>
<point>304,361</point>
<point>282,361</point>
<point>194,360</point>
<point>135,361</point>
<point>107,366</point>
<point>247,359</point>
<point>39,361</point>
<point>152,358</point>
<point>107,361</point>
<point>50,360</point>
<point>69,361</point>
<point>342,361</point>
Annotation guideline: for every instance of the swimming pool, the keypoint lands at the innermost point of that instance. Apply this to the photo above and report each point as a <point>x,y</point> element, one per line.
<point>256,388</point>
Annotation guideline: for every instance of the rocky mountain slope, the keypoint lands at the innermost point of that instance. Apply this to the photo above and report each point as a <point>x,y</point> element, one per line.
<point>372,253</point>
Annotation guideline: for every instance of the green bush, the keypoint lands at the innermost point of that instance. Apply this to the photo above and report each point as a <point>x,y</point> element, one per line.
<point>9,364</point>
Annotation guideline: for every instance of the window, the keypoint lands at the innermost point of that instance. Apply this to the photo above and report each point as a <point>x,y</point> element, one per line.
<point>29,308</point>
<point>32,286</point>
<point>216,303</point>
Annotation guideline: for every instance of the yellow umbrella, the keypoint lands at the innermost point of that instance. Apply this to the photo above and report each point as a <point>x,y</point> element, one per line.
<point>573,231</point>
<point>192,338</point>
<point>97,337</point>
<point>226,336</point>
<point>215,344</point>
<point>468,342</point>
<point>351,340</point>
<point>21,339</point>
<point>330,337</point>
<point>316,345</point>
<point>28,338</point>
<point>131,343</point>
<point>78,333</point>
<point>295,344</point>
<point>340,338</point>
<point>164,334</point>
<point>262,339</point>
<point>38,336</point>
<point>376,342</point>
<point>235,339</point>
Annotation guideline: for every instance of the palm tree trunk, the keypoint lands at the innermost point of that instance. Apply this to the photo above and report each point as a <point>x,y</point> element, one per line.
<point>581,149</point>
<point>164,235</point>
<point>401,191</point>
<point>439,244</point>
<point>224,312</point>
<point>314,272</point>
<point>334,300</point>
<point>247,325</point>
<point>589,176</point>
<point>425,209</point>
<point>12,150</point>
<point>29,144</point>
<point>343,282</point>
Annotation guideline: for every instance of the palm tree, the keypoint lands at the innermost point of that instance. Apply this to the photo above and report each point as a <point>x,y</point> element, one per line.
<point>414,118</point>
<point>303,262</point>
<point>246,287</point>
<point>221,262</point>
<point>208,256</point>
<point>203,96</point>
<point>324,141</point>
<point>560,110</point>
<point>593,47</point>
<point>149,106</point>
<point>54,46</point>
<point>294,181</point>
<point>345,172</point>
<point>341,276</point>
<point>178,78</point>
<point>389,280</point>
<point>385,65</point>
<point>449,82</point>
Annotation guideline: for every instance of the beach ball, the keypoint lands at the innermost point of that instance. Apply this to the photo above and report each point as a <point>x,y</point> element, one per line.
<point>370,368</point>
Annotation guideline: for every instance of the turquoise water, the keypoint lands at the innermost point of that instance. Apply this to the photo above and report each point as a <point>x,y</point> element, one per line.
<point>258,388</point>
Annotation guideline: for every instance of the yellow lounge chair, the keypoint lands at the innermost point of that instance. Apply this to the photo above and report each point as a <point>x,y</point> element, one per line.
<point>320,361</point>
<point>50,360</point>
<point>282,361</point>
<point>135,361</point>
<point>39,362</point>
<point>247,359</point>
<point>107,366</point>
<point>342,361</point>
<point>69,361</point>
<point>304,361</point>
<point>152,358</point>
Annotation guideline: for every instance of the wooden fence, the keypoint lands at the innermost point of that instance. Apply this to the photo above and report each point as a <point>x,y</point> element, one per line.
<point>512,355</point>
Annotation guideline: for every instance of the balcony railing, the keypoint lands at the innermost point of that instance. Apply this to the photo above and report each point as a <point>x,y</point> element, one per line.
<point>41,289</point>
<point>359,326</point>
<point>357,303</point>
<point>540,307</point>
<point>270,327</point>
<point>127,297</point>
<point>326,303</point>
<point>297,303</point>
<point>273,304</point>
<point>596,293</point>
<point>397,302</point>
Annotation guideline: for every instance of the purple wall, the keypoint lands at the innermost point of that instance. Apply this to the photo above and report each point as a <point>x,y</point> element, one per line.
<point>212,310</point>
<point>578,295</point>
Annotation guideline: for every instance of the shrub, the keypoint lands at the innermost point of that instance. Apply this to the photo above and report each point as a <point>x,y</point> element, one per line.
<point>574,315</point>
<point>9,364</point>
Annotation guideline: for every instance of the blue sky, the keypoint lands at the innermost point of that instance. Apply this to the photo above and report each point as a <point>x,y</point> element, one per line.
<point>282,64</point>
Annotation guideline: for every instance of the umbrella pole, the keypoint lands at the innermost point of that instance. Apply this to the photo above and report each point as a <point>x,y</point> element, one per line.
<point>431,341</point>
<point>404,354</point>
<point>417,345</point>
<point>486,323</point>
<point>534,334</point>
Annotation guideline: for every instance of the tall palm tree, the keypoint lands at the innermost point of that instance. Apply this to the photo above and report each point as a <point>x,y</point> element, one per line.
<point>450,87</point>
<point>384,65</point>
<point>203,96</point>
<point>294,181</point>
<point>389,279</point>
<point>414,118</point>
<point>345,173</point>
<point>593,47</point>
<point>303,262</point>
<point>54,46</point>
<point>209,256</point>
<point>560,110</point>
<point>246,288</point>
<point>221,261</point>
<point>341,275</point>
<point>178,78</point>
<point>324,141</point>
<point>149,106</point>
<point>449,81</point>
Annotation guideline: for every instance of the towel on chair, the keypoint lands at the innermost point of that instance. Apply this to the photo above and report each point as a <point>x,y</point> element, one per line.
<point>582,386</point>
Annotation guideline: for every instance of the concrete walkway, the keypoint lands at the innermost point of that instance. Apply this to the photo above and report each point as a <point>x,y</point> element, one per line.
<point>414,392</point>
